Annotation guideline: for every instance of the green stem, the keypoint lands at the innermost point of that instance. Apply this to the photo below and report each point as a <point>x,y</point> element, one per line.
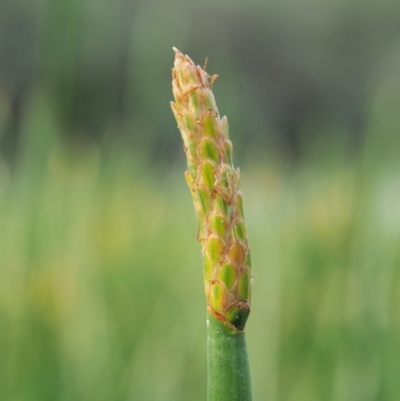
<point>228,365</point>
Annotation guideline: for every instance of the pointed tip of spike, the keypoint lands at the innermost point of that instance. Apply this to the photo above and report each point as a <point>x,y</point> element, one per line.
<point>178,53</point>
<point>179,56</point>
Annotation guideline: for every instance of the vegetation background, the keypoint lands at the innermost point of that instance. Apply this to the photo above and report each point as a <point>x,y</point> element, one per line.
<point>101,294</point>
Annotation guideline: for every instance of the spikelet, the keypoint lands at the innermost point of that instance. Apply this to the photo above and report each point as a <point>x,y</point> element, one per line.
<point>215,187</point>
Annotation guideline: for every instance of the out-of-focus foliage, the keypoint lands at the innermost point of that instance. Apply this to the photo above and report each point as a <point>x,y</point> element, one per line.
<point>101,294</point>
<point>289,69</point>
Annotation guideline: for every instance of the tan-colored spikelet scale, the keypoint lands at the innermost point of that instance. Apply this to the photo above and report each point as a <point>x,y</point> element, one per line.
<point>215,187</point>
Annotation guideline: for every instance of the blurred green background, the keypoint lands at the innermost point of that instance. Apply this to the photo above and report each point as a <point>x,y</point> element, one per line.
<point>101,292</point>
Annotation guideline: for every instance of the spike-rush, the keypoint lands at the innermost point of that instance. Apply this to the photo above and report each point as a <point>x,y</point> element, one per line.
<point>215,187</point>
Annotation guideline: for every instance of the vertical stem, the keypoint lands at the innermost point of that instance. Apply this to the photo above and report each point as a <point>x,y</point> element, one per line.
<point>227,363</point>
